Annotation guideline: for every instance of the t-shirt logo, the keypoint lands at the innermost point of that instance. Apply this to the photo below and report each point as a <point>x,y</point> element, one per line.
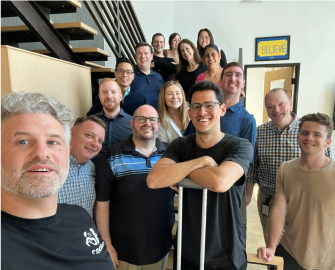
<point>93,239</point>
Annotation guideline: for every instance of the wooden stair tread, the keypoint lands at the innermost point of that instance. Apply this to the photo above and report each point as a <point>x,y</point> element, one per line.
<point>94,65</point>
<point>99,73</point>
<point>89,51</point>
<point>74,30</point>
<point>102,69</point>
<point>278,261</point>
<point>55,7</point>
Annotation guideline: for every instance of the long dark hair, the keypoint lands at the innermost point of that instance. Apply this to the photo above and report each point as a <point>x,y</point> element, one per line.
<point>201,49</point>
<point>184,63</point>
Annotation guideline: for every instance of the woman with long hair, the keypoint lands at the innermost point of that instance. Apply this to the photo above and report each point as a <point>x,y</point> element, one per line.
<point>190,65</point>
<point>174,40</point>
<point>172,112</point>
<point>211,58</point>
<point>205,37</point>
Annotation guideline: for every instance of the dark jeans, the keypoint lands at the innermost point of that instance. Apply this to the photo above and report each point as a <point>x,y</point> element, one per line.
<point>186,265</point>
<point>289,262</point>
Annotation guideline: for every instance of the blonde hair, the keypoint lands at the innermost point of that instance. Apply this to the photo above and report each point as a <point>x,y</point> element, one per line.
<point>163,108</point>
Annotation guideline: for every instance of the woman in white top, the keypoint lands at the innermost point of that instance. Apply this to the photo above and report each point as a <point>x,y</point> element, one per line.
<point>172,111</point>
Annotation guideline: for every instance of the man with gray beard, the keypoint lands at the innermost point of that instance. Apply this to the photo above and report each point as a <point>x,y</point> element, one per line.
<point>35,138</point>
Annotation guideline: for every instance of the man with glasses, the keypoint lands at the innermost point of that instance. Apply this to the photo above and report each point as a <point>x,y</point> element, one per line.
<point>135,221</point>
<point>116,120</point>
<point>219,162</point>
<point>124,75</point>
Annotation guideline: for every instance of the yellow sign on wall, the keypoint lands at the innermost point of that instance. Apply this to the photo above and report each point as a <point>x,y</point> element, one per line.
<point>273,48</point>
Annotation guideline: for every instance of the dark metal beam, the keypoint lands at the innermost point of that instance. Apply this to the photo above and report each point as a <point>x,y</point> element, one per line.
<point>35,19</point>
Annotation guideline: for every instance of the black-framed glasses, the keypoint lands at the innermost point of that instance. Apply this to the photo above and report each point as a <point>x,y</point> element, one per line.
<point>122,71</point>
<point>209,106</point>
<point>143,119</point>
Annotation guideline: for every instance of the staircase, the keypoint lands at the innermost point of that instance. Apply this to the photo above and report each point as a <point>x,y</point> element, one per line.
<point>56,37</point>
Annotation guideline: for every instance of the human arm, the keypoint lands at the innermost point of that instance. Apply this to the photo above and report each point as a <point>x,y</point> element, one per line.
<point>277,219</point>
<point>167,67</point>
<point>157,178</point>
<point>102,220</point>
<point>249,188</point>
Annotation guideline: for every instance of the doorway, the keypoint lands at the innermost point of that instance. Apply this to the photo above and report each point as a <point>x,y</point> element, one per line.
<point>260,79</point>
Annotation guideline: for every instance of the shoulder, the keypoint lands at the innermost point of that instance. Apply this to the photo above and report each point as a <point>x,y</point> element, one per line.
<point>72,212</point>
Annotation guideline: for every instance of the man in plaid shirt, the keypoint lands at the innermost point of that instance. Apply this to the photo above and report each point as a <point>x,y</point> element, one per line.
<point>276,142</point>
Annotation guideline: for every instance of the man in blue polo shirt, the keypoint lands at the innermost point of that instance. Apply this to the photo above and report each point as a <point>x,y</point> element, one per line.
<point>147,83</point>
<point>237,121</point>
<point>135,221</point>
<point>116,120</point>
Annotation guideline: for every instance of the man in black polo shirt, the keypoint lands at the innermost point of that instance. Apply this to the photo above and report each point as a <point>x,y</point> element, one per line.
<point>218,162</point>
<point>135,221</point>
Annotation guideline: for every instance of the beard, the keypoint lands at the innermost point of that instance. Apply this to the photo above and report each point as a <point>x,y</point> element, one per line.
<point>146,137</point>
<point>20,183</point>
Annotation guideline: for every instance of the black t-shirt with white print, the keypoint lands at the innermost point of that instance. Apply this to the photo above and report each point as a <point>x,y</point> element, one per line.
<point>67,240</point>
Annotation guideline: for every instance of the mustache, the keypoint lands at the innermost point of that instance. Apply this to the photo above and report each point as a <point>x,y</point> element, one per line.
<point>38,161</point>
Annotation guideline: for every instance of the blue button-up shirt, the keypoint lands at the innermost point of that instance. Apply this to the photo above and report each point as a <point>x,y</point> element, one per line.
<point>118,129</point>
<point>79,186</point>
<point>237,122</point>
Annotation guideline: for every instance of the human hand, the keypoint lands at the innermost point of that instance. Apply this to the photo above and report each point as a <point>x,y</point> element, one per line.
<point>113,254</point>
<point>175,187</point>
<point>266,254</point>
<point>248,199</point>
<point>209,162</point>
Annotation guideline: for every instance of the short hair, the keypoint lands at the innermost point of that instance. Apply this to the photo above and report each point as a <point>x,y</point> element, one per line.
<point>320,118</point>
<point>210,35</point>
<point>13,104</point>
<point>287,93</point>
<point>123,60</point>
<point>204,86</point>
<point>143,44</point>
<point>163,109</point>
<point>182,62</point>
<point>157,35</point>
<point>83,119</point>
<point>231,64</point>
<point>107,79</point>
<point>172,36</point>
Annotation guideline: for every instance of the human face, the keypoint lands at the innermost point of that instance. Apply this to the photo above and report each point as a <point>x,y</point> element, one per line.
<point>110,96</point>
<point>312,138</point>
<point>175,41</point>
<point>206,122</point>
<point>278,107</point>
<point>86,140</point>
<point>204,39</point>
<point>34,155</point>
<point>143,57</point>
<point>173,97</point>
<point>124,79</point>
<point>158,44</point>
<point>211,58</point>
<point>232,81</point>
<point>186,51</point>
<point>145,131</point>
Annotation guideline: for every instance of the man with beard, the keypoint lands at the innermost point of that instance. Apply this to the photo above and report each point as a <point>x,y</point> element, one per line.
<point>135,221</point>
<point>116,120</point>
<point>36,233</point>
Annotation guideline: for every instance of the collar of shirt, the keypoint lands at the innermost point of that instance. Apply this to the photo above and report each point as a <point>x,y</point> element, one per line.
<point>121,113</point>
<point>290,128</point>
<point>125,94</point>
<point>236,107</point>
<point>129,147</point>
<point>75,162</point>
<point>139,72</point>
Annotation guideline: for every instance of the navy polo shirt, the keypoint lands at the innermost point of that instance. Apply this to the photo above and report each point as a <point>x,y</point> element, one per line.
<point>144,89</point>
<point>237,122</point>
<point>140,218</point>
<point>118,129</point>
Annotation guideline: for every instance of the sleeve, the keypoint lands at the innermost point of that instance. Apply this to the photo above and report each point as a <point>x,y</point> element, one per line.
<point>279,179</point>
<point>166,67</point>
<point>103,180</point>
<point>174,150</point>
<point>249,130</point>
<point>252,175</point>
<point>223,60</point>
<point>240,152</point>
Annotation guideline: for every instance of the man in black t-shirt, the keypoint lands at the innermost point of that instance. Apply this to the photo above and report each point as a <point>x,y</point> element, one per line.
<point>218,162</point>
<point>36,232</point>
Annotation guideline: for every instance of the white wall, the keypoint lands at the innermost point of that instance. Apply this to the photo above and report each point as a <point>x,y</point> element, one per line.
<point>234,25</point>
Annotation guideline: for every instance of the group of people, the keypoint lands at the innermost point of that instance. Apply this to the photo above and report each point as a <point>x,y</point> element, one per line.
<point>176,114</point>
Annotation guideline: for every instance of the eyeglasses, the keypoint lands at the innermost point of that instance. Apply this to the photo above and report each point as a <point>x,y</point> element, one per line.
<point>209,106</point>
<point>122,71</point>
<point>143,119</point>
